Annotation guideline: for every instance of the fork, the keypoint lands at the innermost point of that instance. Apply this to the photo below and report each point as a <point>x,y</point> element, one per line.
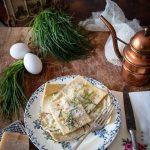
<point>98,123</point>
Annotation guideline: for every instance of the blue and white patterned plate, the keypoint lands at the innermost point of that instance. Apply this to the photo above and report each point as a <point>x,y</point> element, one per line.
<point>98,140</point>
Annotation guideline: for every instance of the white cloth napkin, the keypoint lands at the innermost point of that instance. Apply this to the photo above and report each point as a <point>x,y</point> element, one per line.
<point>141,107</point>
<point>124,28</point>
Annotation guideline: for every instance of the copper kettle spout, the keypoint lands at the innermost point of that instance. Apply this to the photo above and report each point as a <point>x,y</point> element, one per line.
<point>114,37</point>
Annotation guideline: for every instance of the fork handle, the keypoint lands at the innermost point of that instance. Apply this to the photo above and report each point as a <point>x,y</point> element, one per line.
<point>81,140</point>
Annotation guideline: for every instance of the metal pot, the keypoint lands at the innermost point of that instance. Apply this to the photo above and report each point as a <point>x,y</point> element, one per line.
<point>136,55</point>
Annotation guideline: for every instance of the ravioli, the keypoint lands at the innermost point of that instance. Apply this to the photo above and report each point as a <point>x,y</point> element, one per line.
<point>49,91</point>
<point>68,113</point>
<point>60,116</point>
<point>49,125</point>
<point>47,121</point>
<point>100,107</point>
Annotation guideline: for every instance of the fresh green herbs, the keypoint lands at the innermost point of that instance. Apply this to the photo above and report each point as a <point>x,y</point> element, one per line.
<point>87,97</point>
<point>70,120</point>
<point>60,114</point>
<point>54,33</point>
<point>11,89</point>
<point>75,102</point>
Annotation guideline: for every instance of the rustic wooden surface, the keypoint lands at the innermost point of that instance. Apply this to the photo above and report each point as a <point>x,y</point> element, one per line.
<point>95,66</point>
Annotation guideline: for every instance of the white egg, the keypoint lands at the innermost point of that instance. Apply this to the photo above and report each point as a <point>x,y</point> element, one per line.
<point>32,63</point>
<point>18,50</point>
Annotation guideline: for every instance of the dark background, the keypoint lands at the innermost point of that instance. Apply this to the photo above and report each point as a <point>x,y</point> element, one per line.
<point>81,9</point>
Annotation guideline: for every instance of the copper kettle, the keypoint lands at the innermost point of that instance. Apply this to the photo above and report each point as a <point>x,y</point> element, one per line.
<point>136,59</point>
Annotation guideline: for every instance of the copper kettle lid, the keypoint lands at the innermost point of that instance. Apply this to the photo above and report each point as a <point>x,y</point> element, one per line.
<point>140,42</point>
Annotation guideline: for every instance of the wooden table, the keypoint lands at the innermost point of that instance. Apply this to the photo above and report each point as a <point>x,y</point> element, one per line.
<point>95,66</point>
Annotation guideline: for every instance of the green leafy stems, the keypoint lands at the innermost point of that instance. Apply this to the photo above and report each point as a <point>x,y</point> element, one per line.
<point>11,90</point>
<point>53,32</point>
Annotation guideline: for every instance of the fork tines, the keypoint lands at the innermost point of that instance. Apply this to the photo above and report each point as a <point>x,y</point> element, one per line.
<point>104,115</point>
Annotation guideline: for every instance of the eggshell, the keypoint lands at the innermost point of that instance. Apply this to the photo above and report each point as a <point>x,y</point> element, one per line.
<point>18,50</point>
<point>32,63</point>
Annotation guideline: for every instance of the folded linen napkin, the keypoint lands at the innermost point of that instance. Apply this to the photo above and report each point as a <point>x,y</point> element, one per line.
<point>141,107</point>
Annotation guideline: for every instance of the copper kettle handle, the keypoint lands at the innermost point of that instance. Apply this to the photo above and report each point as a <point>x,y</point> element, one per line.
<point>114,37</point>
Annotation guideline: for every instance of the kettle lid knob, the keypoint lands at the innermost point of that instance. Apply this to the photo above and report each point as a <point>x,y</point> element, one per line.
<point>147,31</point>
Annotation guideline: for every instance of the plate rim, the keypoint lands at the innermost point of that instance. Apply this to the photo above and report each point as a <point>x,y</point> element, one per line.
<point>72,77</point>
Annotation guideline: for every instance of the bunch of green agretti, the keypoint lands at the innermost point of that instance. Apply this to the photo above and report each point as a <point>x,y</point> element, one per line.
<point>11,90</point>
<point>54,33</point>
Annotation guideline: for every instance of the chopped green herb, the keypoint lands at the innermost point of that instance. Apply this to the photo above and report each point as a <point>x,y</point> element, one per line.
<point>75,102</point>
<point>87,97</point>
<point>60,114</point>
<point>70,120</point>
<point>74,109</point>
